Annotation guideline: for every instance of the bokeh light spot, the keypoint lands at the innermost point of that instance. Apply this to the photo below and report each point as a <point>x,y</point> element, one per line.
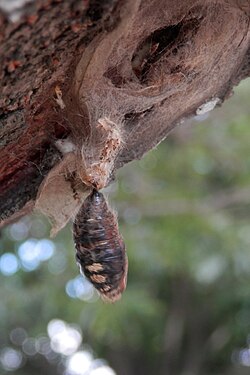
<point>18,335</point>
<point>79,363</point>
<point>29,346</point>
<point>103,370</point>
<point>19,231</point>
<point>32,252</point>
<point>243,357</point>
<point>80,287</point>
<point>8,264</point>
<point>10,359</point>
<point>28,255</point>
<point>210,269</point>
<point>43,345</point>
<point>64,338</point>
<point>45,249</point>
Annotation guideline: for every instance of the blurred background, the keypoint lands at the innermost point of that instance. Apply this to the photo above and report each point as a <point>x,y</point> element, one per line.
<point>184,212</point>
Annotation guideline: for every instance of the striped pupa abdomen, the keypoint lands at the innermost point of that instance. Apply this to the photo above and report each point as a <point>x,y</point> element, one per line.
<point>100,250</point>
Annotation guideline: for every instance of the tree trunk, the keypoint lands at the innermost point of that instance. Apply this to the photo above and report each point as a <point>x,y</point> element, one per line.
<point>112,77</point>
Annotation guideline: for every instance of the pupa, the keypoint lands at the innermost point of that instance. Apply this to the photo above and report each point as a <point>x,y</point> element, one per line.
<point>100,249</point>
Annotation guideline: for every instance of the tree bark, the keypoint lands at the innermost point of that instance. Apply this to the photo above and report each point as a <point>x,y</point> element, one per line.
<point>114,77</point>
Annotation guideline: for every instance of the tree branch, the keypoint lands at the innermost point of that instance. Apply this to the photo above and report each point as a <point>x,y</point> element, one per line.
<point>114,77</point>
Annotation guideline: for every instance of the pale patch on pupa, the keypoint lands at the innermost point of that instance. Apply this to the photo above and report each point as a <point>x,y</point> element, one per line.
<point>99,279</point>
<point>60,196</point>
<point>95,267</point>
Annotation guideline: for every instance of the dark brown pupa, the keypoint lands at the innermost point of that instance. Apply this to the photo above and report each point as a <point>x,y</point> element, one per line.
<point>100,250</point>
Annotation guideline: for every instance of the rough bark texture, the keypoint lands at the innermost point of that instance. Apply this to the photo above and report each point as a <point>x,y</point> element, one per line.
<point>143,66</point>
